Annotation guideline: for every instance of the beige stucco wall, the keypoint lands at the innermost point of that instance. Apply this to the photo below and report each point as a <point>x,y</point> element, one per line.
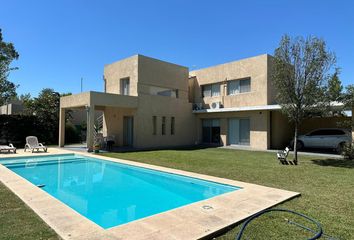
<point>150,106</point>
<point>259,126</point>
<point>330,122</point>
<point>282,131</point>
<point>159,106</point>
<point>271,88</point>
<point>113,118</point>
<point>254,68</point>
<point>11,109</point>
<point>122,69</point>
<point>154,72</point>
<point>144,73</point>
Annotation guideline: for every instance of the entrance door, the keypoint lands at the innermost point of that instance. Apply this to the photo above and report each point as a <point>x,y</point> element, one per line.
<point>211,131</point>
<point>128,123</point>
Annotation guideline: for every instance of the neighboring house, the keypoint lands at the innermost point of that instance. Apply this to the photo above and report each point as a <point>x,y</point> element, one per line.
<point>150,103</point>
<point>12,108</point>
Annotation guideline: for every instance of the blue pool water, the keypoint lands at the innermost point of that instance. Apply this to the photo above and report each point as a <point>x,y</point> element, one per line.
<point>110,193</point>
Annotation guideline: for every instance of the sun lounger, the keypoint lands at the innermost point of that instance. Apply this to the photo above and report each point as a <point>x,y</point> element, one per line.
<point>32,144</point>
<point>282,155</point>
<point>8,148</point>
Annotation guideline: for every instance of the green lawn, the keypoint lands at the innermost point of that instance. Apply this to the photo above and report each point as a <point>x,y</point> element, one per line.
<point>17,221</point>
<point>326,186</point>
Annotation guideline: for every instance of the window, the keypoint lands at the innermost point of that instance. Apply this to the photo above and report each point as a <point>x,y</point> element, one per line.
<point>211,130</point>
<point>233,87</point>
<point>335,132</point>
<point>211,90</point>
<point>163,126</point>
<point>215,90</point>
<point>245,85</point>
<point>154,125</point>
<point>238,86</point>
<point>321,132</point>
<point>327,132</point>
<point>124,86</point>
<point>167,92</point>
<point>172,125</point>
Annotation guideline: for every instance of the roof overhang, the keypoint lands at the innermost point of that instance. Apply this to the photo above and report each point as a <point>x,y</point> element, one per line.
<point>335,105</point>
<point>240,109</point>
<point>98,99</point>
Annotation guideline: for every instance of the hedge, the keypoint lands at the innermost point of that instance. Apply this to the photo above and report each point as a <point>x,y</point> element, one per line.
<point>15,128</point>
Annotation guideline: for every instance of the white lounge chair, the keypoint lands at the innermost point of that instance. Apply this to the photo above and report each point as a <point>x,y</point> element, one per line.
<point>32,144</point>
<point>282,155</point>
<point>8,148</point>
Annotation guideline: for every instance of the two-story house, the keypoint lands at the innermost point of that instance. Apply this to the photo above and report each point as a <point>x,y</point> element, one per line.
<point>148,103</point>
<point>145,105</point>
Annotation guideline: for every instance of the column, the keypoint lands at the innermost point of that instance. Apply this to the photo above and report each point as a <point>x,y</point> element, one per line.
<point>61,127</point>
<point>90,127</point>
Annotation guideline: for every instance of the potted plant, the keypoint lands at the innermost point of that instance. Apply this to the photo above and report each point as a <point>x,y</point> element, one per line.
<point>96,147</point>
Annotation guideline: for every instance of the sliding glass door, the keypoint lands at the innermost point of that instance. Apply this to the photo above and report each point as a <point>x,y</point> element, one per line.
<point>239,131</point>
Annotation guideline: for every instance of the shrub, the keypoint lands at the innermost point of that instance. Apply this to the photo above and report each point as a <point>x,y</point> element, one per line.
<point>15,128</point>
<point>72,133</point>
<point>348,151</point>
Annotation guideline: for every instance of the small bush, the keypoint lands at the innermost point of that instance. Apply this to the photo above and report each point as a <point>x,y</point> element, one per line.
<point>348,151</point>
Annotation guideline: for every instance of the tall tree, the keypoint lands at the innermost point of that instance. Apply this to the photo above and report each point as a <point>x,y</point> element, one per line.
<point>46,108</point>
<point>335,88</point>
<point>348,97</point>
<point>7,55</point>
<point>300,74</point>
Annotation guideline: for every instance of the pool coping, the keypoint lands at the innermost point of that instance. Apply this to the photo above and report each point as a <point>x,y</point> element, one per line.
<point>193,221</point>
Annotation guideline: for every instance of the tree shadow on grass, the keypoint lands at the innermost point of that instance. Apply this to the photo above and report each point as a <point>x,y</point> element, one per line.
<point>334,162</point>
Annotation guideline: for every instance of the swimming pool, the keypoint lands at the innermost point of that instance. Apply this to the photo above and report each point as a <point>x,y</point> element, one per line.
<point>110,193</point>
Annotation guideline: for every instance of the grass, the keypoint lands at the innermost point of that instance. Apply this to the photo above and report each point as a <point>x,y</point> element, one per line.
<point>326,186</point>
<point>17,221</point>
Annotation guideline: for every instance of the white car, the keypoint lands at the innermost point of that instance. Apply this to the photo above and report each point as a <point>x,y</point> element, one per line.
<point>333,138</point>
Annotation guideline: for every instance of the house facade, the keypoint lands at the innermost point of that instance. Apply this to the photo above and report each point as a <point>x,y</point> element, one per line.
<point>12,108</point>
<point>149,103</point>
<point>145,105</point>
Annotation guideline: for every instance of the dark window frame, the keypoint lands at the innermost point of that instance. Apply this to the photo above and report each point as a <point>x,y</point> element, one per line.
<point>173,125</point>
<point>163,126</point>
<point>154,125</point>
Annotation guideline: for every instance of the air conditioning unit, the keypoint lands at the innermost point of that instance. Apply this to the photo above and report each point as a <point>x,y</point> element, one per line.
<point>215,105</point>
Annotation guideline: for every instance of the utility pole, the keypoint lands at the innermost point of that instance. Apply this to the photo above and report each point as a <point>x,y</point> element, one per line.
<point>81,83</point>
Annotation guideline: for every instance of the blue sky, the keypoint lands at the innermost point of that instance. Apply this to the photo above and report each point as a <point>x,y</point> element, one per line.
<point>61,41</point>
